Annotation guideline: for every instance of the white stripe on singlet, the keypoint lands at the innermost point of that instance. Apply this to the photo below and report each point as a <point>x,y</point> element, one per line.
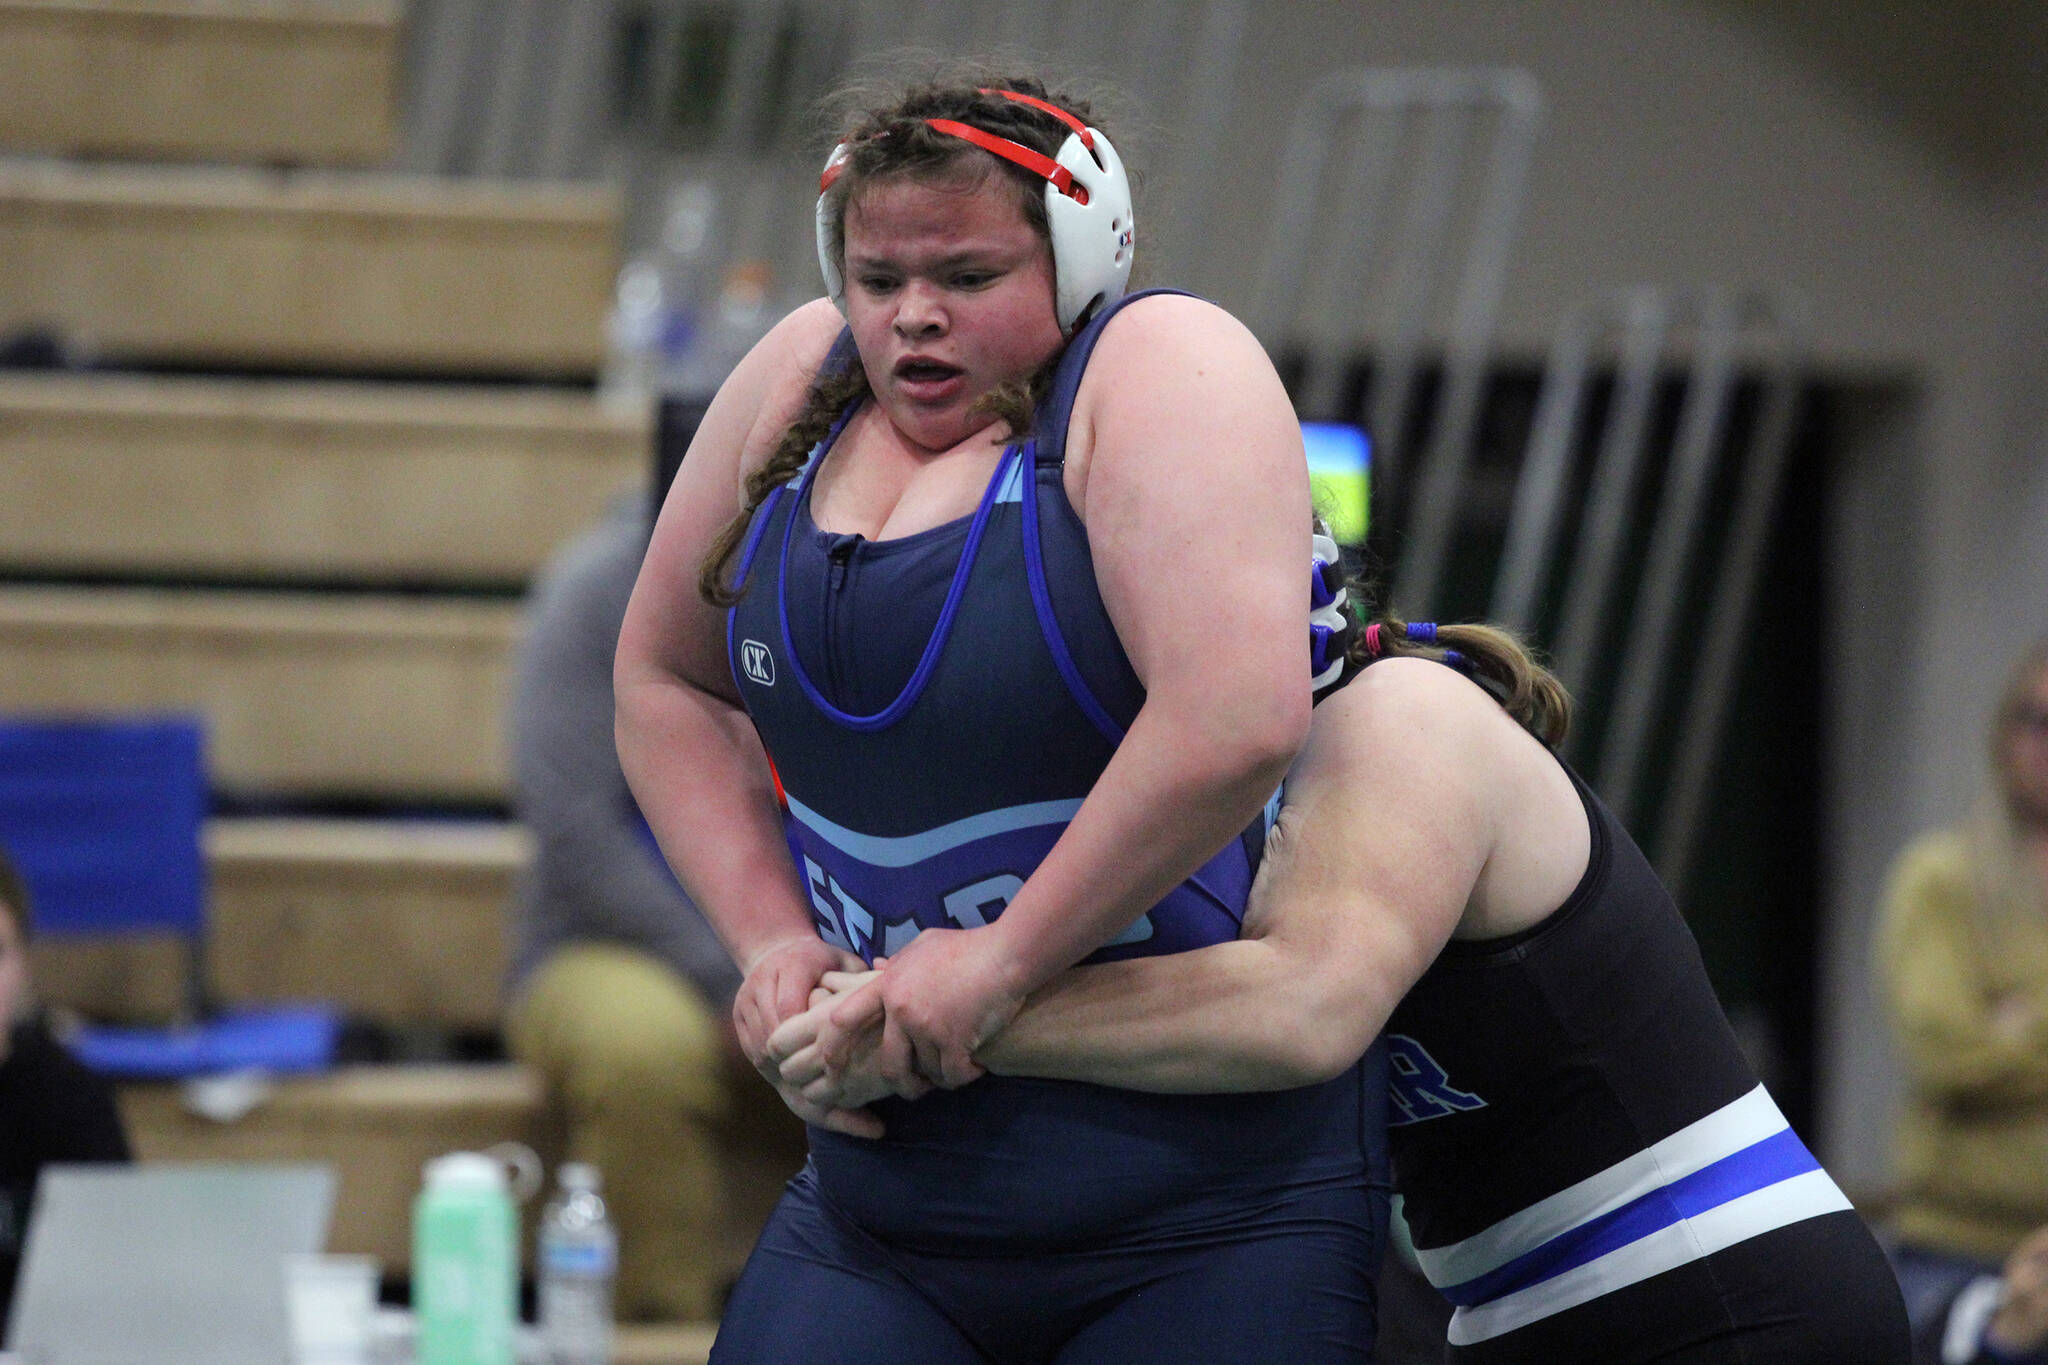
<point>1701,1143</point>
<point>1730,1132</point>
<point>1738,1220</point>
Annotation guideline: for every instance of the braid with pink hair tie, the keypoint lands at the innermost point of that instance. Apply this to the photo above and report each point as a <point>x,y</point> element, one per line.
<point>1372,640</point>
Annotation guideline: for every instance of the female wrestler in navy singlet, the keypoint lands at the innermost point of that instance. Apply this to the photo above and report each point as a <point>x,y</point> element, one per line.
<point>1591,1171</point>
<point>1001,592</point>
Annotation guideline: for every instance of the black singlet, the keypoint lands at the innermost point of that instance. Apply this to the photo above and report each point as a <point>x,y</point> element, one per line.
<point>1591,1169</point>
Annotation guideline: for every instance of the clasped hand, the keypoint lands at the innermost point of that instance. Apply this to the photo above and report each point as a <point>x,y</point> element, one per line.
<point>901,1029</point>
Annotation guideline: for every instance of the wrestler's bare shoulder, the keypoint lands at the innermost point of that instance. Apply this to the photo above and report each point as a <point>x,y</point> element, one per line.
<point>1162,332</point>
<point>774,377</point>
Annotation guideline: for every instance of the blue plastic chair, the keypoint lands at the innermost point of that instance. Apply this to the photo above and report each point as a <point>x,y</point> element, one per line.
<point>104,819</point>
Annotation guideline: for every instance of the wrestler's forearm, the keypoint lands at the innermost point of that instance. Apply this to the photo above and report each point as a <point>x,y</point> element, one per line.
<point>697,770</point>
<point>1325,959</point>
<point>1222,1018</point>
<point>1179,788</point>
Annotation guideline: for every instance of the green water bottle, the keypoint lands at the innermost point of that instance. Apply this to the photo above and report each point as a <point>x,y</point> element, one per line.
<point>465,1262</point>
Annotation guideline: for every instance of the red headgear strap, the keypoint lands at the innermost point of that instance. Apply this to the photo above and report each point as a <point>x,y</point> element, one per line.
<point>1037,162</point>
<point>1018,96</point>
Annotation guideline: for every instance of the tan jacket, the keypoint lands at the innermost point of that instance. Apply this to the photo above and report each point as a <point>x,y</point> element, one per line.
<point>1973,1141</point>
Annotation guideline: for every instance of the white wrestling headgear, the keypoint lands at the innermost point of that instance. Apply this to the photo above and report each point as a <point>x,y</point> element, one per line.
<point>1087,205</point>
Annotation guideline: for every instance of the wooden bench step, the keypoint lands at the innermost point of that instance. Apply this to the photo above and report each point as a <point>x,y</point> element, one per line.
<point>314,694</point>
<point>405,923</point>
<point>682,1344</point>
<point>400,923</point>
<point>366,273</point>
<point>273,478</point>
<point>379,1124</point>
<point>229,80</point>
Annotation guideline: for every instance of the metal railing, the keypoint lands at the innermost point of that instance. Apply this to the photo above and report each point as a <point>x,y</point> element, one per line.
<point>1473,133</point>
<point>1725,333</point>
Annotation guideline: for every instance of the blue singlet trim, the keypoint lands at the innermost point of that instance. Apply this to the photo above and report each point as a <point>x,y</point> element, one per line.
<point>762,517</point>
<point>943,628</point>
<point>766,512</point>
<point>1049,447</point>
<point>1758,1166</point>
<point>1049,626</point>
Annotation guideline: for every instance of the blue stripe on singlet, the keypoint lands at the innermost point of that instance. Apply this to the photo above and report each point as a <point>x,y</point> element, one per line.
<point>1734,1174</point>
<point>934,646</point>
<point>1776,1158</point>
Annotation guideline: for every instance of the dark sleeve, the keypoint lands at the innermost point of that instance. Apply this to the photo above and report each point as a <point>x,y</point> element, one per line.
<point>58,1110</point>
<point>72,1115</point>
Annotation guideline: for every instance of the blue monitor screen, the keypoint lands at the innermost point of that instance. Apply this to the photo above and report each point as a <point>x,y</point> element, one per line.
<point>1340,477</point>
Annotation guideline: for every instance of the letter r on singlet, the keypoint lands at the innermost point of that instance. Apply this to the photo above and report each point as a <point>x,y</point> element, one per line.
<point>1419,1088</point>
<point>971,907</point>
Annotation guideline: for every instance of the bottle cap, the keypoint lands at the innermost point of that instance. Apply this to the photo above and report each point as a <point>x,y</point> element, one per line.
<point>749,278</point>
<point>578,1175</point>
<point>465,1171</point>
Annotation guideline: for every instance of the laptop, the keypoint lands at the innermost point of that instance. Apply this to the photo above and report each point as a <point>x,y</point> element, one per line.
<point>165,1263</point>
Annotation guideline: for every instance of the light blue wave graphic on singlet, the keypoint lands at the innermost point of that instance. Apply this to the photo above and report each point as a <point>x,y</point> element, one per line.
<point>910,849</point>
<point>872,894</point>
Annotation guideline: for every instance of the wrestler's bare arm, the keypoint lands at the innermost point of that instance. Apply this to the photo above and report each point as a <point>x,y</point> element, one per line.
<point>1365,877</point>
<point>690,753</point>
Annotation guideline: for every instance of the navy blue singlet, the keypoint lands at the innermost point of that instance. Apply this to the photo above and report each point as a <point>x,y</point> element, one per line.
<point>936,707</point>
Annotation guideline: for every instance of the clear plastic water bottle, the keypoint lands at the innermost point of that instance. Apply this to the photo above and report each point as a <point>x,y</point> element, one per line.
<point>633,340</point>
<point>656,313</point>
<point>578,1254</point>
<point>742,315</point>
<point>465,1262</point>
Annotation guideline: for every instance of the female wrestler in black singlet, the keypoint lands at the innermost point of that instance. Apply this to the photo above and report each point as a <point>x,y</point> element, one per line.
<point>1591,1170</point>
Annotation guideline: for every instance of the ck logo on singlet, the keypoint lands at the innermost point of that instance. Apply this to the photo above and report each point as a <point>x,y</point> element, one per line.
<point>1419,1088</point>
<point>757,663</point>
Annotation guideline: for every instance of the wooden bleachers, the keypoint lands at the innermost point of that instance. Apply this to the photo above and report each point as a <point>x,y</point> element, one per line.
<point>269,479</point>
<point>403,922</point>
<point>305,694</point>
<point>283,81</point>
<point>315,545</point>
<point>238,268</point>
<point>398,921</point>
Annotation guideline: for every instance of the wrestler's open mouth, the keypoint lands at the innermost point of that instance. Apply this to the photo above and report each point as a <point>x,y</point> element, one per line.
<point>916,370</point>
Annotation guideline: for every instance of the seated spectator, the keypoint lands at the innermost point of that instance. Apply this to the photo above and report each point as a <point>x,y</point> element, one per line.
<point>52,1109</point>
<point>620,991</point>
<point>1999,1319</point>
<point>1963,957</point>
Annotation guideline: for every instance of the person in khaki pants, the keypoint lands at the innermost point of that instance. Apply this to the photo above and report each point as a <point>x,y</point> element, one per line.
<point>620,993</point>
